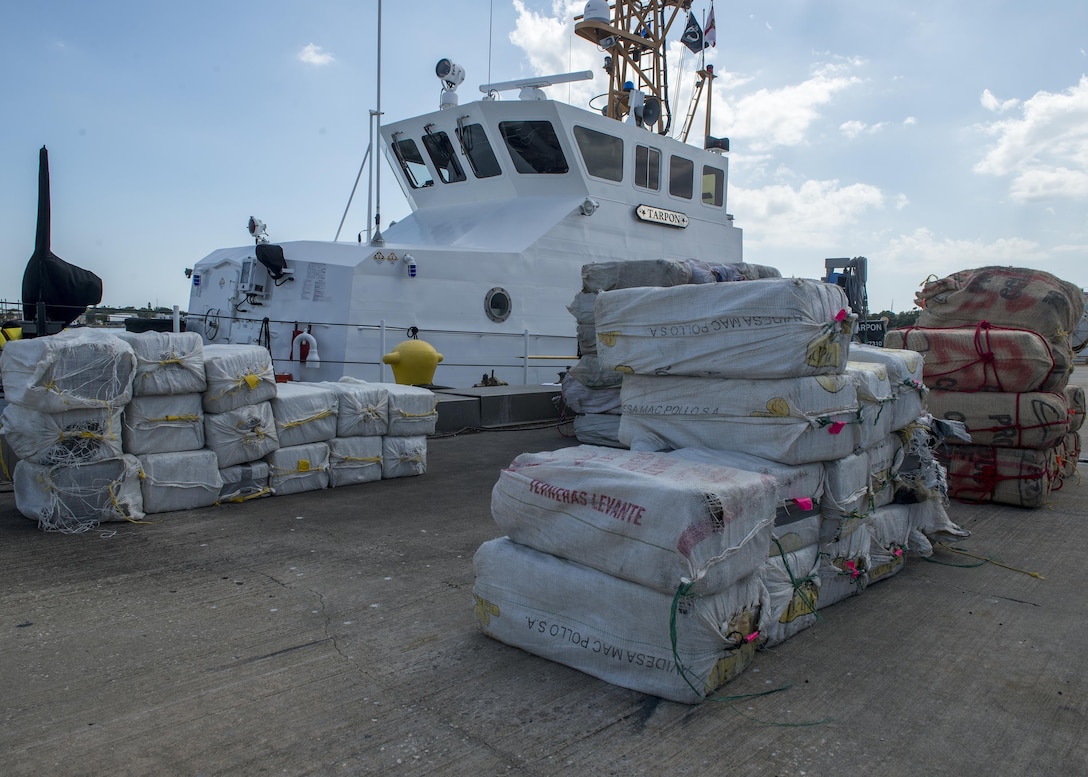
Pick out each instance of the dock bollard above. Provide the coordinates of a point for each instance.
(414, 362)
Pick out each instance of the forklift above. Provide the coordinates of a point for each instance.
(851, 275)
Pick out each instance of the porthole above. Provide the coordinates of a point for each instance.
(497, 304)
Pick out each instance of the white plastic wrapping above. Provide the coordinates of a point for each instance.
(891, 529)
(69, 438)
(796, 485)
(885, 462)
(179, 480)
(304, 412)
(589, 371)
(598, 429)
(1074, 398)
(412, 410)
(404, 457)
(791, 420)
(354, 460)
(626, 274)
(363, 409)
(613, 629)
(167, 362)
(847, 497)
(654, 519)
(876, 415)
(905, 370)
(73, 499)
(299, 468)
(75, 369)
(773, 328)
(580, 398)
(844, 567)
(244, 434)
(158, 423)
(792, 581)
(237, 375)
(242, 482)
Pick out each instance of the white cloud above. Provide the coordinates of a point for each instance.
(314, 55)
(946, 255)
(813, 214)
(1045, 151)
(853, 129)
(991, 103)
(910, 121)
(782, 117)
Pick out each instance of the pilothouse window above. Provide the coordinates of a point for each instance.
(411, 162)
(603, 154)
(440, 150)
(713, 186)
(478, 151)
(647, 167)
(533, 147)
(681, 173)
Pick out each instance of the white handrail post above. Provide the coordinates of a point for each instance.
(381, 353)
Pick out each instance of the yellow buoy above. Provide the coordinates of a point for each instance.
(10, 333)
(413, 362)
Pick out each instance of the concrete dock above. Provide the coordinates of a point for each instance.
(333, 633)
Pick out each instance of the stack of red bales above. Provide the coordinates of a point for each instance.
(997, 353)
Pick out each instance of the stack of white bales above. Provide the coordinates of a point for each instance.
(762, 368)
(588, 390)
(641, 569)
(238, 422)
(305, 415)
(997, 352)
(381, 431)
(163, 424)
(67, 393)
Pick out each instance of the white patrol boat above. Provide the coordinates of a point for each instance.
(509, 199)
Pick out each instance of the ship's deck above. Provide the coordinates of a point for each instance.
(333, 633)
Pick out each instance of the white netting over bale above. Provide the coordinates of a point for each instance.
(163, 422)
(237, 375)
(69, 438)
(167, 362)
(613, 629)
(654, 519)
(363, 409)
(77, 368)
(404, 457)
(354, 460)
(179, 480)
(304, 412)
(299, 468)
(791, 420)
(774, 328)
(78, 498)
(245, 434)
(242, 482)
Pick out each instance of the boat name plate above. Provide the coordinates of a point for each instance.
(669, 218)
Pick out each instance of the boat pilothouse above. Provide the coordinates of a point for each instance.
(509, 198)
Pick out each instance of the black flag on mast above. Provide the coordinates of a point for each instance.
(693, 35)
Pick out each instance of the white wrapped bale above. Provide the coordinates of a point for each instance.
(299, 468)
(1074, 398)
(413, 411)
(885, 461)
(792, 581)
(354, 460)
(847, 497)
(582, 310)
(78, 498)
(792, 420)
(654, 519)
(892, 535)
(403, 457)
(905, 370)
(580, 398)
(68, 438)
(75, 369)
(304, 412)
(167, 363)
(158, 423)
(237, 375)
(774, 328)
(844, 567)
(363, 408)
(875, 417)
(598, 429)
(179, 480)
(589, 372)
(613, 629)
(244, 434)
(242, 482)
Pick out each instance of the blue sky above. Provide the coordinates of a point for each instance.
(928, 136)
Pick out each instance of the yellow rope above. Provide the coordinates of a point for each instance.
(1036, 575)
